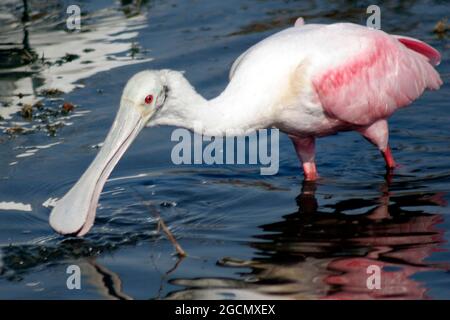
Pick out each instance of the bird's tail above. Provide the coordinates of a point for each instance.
(434, 57)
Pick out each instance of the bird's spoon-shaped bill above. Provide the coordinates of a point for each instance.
(75, 212)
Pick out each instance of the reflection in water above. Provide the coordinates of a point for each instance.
(39, 54)
(318, 253)
(106, 281)
(18, 261)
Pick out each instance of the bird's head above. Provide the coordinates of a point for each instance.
(145, 93)
(145, 96)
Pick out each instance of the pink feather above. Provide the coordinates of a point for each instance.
(385, 74)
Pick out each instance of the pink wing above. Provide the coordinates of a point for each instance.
(370, 84)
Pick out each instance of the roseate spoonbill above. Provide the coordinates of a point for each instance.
(308, 80)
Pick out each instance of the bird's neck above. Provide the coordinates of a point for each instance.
(227, 114)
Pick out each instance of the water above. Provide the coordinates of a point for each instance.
(247, 236)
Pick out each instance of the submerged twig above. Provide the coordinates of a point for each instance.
(170, 236)
(163, 226)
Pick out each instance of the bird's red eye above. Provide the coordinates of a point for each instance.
(149, 99)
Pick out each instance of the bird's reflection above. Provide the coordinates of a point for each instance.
(323, 252)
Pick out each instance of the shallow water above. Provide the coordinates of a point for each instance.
(247, 236)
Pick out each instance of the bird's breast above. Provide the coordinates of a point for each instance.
(303, 122)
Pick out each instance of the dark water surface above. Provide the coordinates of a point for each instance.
(247, 236)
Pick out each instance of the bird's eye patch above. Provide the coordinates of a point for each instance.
(149, 99)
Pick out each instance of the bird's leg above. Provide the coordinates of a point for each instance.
(388, 158)
(305, 148)
(378, 134)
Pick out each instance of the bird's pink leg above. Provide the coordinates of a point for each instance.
(305, 148)
(378, 134)
(387, 154)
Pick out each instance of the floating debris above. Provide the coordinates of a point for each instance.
(14, 130)
(52, 128)
(51, 92)
(441, 27)
(27, 111)
(67, 107)
(48, 117)
(69, 57)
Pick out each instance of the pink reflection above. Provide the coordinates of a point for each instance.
(419, 238)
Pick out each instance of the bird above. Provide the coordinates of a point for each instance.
(308, 80)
